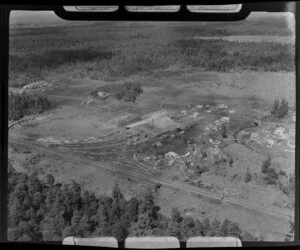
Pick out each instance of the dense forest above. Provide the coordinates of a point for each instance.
(44, 210)
(27, 104)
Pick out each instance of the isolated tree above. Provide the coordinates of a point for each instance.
(280, 110)
(175, 215)
(248, 177)
(266, 165)
(50, 179)
(201, 169)
(283, 109)
(275, 107)
(224, 130)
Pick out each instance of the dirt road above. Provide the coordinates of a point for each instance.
(126, 171)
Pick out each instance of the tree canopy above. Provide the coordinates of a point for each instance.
(27, 104)
(42, 210)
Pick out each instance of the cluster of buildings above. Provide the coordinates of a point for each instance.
(155, 123)
(160, 123)
(279, 136)
(213, 108)
(218, 107)
(218, 123)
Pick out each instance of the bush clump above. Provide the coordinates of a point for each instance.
(266, 165)
(280, 109)
(248, 177)
(128, 91)
(27, 104)
(201, 169)
(224, 130)
(271, 174)
(271, 177)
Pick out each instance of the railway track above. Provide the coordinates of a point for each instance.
(109, 153)
(117, 167)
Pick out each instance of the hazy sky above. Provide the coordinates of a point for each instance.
(48, 18)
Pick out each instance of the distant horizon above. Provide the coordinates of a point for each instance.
(48, 18)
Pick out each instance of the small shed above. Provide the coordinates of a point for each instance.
(254, 136)
(225, 119)
(103, 95)
(291, 143)
(256, 122)
(279, 131)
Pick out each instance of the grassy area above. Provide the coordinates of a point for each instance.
(112, 50)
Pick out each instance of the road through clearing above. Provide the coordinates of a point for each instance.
(136, 174)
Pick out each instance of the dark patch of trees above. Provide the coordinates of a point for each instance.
(289, 188)
(199, 170)
(290, 235)
(266, 165)
(27, 104)
(41, 210)
(280, 109)
(224, 130)
(128, 91)
(248, 177)
(271, 176)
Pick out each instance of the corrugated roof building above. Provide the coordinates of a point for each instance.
(156, 124)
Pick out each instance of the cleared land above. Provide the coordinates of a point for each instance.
(172, 133)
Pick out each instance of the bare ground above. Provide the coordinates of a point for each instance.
(245, 92)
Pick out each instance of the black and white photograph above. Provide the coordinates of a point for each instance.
(142, 128)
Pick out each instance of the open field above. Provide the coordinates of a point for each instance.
(183, 130)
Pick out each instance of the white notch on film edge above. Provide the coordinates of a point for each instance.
(229, 8)
(91, 8)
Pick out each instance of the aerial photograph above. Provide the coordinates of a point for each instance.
(151, 128)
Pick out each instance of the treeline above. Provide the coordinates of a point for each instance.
(41, 210)
(273, 177)
(127, 91)
(27, 104)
